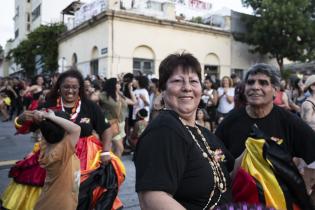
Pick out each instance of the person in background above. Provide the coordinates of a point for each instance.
(281, 98)
(35, 91)
(127, 81)
(155, 98)
(236, 79)
(91, 92)
(202, 119)
(17, 105)
(210, 99)
(114, 105)
(308, 106)
(298, 96)
(57, 156)
(139, 127)
(141, 85)
(239, 97)
(7, 97)
(179, 164)
(225, 98)
(54, 79)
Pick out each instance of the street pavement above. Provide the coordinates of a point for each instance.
(15, 147)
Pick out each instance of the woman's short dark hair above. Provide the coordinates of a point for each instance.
(110, 88)
(143, 81)
(34, 80)
(72, 72)
(168, 66)
(128, 77)
(205, 114)
(266, 69)
(52, 132)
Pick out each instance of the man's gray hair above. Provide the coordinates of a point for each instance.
(266, 69)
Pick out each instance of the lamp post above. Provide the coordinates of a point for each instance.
(62, 63)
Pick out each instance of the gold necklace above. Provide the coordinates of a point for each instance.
(210, 155)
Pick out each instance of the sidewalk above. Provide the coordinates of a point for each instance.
(15, 147)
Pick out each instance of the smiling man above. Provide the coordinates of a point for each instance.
(296, 136)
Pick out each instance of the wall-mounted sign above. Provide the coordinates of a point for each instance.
(104, 51)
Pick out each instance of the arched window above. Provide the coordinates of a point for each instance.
(143, 61)
(94, 61)
(212, 65)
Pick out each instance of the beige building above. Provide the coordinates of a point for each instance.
(119, 41)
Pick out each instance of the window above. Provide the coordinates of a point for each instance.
(211, 70)
(28, 1)
(238, 72)
(16, 34)
(28, 27)
(143, 66)
(154, 6)
(17, 11)
(36, 13)
(28, 17)
(94, 67)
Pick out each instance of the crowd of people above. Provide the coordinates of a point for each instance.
(198, 143)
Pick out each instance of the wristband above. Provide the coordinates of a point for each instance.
(17, 125)
(105, 154)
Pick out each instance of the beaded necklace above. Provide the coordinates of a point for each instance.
(211, 156)
(74, 111)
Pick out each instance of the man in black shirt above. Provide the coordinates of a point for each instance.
(297, 137)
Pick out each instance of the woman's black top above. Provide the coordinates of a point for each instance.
(167, 159)
(89, 118)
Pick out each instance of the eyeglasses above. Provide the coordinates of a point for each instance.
(261, 82)
(68, 87)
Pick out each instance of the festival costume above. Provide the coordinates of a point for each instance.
(268, 175)
(23, 191)
(169, 159)
(89, 117)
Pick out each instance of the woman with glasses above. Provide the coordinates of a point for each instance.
(68, 95)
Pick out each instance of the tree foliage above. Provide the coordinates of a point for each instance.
(281, 28)
(1, 49)
(43, 42)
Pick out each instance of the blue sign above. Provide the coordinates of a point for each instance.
(104, 51)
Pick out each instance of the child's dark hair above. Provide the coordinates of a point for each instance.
(52, 132)
(142, 113)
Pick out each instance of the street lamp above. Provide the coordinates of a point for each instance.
(62, 63)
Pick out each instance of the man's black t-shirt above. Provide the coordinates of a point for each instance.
(167, 159)
(298, 138)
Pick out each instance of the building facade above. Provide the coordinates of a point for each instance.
(118, 41)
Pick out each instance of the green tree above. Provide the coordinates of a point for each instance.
(281, 28)
(43, 42)
(1, 49)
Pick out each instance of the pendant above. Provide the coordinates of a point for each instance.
(205, 155)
